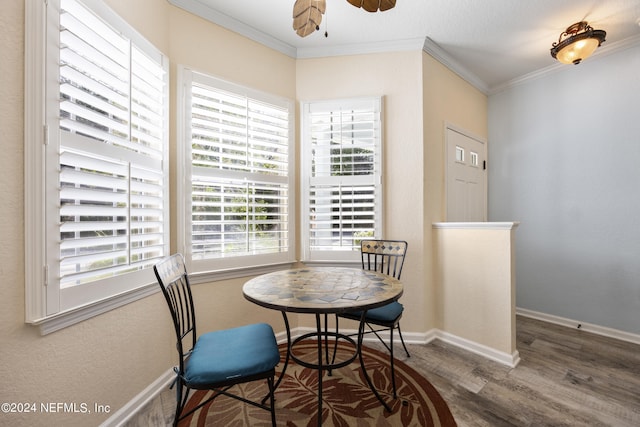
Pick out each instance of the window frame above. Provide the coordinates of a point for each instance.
(205, 270)
(338, 256)
(43, 305)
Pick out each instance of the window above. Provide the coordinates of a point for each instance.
(341, 177)
(103, 202)
(474, 158)
(237, 193)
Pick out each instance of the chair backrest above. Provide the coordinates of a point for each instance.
(383, 256)
(174, 282)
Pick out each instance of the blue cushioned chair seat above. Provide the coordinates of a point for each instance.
(386, 313)
(219, 356)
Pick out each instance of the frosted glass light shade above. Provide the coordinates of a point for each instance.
(580, 42)
(577, 51)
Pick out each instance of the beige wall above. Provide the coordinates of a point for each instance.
(112, 357)
(447, 99)
(475, 267)
(201, 46)
(397, 76)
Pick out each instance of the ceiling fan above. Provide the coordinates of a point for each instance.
(307, 14)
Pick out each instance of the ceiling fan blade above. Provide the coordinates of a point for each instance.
(307, 23)
(373, 5)
(387, 4)
(307, 16)
(370, 5)
(301, 6)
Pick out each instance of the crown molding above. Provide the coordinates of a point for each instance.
(445, 59)
(231, 24)
(426, 44)
(225, 21)
(361, 48)
(600, 53)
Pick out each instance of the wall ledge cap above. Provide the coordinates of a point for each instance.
(477, 225)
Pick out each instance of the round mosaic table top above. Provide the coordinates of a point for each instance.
(322, 290)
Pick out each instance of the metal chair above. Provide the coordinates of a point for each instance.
(387, 257)
(216, 360)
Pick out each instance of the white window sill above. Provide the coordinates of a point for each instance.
(351, 263)
(62, 320)
(214, 276)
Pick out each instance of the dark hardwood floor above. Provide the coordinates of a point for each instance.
(566, 377)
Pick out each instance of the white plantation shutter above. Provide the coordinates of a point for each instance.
(341, 176)
(238, 181)
(96, 162)
(113, 192)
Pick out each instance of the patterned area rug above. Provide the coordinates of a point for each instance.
(347, 399)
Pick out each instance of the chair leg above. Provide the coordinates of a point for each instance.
(272, 399)
(180, 401)
(176, 417)
(393, 370)
(335, 344)
(402, 341)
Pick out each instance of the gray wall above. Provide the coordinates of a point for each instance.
(564, 159)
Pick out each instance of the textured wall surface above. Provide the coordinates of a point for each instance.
(109, 359)
(396, 76)
(447, 99)
(477, 287)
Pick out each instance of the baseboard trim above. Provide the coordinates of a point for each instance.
(576, 324)
(409, 337)
(510, 360)
(132, 407)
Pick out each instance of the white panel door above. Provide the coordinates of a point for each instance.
(466, 178)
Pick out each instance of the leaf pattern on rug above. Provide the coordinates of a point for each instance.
(347, 399)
